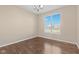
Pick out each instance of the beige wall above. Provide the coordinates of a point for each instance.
(68, 21)
(78, 26)
(15, 24)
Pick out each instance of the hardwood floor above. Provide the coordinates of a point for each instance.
(40, 45)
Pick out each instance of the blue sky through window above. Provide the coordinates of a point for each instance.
(56, 19)
(52, 23)
(47, 21)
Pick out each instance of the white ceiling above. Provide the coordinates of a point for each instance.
(45, 9)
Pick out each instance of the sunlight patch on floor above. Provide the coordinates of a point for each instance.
(51, 49)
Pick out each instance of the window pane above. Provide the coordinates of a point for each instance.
(56, 23)
(47, 22)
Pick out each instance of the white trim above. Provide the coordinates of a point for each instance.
(77, 43)
(39, 35)
(55, 39)
(27, 38)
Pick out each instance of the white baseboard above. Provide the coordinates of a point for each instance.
(77, 44)
(55, 39)
(33, 36)
(27, 38)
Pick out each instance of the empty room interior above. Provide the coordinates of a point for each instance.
(39, 29)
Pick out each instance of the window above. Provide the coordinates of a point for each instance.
(52, 23)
